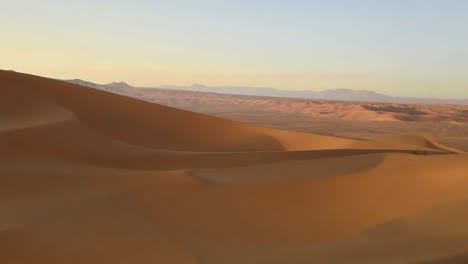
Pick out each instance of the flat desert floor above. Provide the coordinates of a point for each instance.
(89, 176)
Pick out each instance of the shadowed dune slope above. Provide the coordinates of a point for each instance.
(88, 176)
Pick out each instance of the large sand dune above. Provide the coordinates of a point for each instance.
(356, 120)
(93, 177)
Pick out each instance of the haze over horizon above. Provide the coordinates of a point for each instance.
(227, 132)
(399, 48)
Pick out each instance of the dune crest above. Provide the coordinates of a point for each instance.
(94, 177)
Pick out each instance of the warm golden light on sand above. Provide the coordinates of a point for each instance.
(89, 176)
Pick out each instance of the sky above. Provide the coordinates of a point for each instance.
(399, 47)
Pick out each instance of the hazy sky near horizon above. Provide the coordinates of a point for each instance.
(398, 47)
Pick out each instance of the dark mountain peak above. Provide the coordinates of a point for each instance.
(83, 83)
(119, 84)
(339, 90)
(77, 81)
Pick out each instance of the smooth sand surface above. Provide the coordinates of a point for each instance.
(88, 176)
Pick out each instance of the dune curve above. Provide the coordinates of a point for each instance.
(93, 177)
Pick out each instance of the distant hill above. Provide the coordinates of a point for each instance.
(331, 94)
(85, 83)
(341, 94)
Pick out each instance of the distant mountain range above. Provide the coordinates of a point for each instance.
(331, 94)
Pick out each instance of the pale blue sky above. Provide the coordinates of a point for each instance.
(407, 48)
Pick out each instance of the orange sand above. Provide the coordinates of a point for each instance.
(93, 177)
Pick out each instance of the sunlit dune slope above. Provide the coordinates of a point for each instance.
(59, 117)
(123, 119)
(92, 177)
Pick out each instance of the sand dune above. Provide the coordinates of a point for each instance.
(93, 177)
(356, 120)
